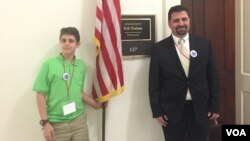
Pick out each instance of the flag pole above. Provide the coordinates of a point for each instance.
(103, 120)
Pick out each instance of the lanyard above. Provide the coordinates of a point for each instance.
(67, 77)
(187, 57)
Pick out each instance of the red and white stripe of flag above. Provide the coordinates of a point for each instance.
(109, 73)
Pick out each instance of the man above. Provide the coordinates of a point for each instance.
(183, 85)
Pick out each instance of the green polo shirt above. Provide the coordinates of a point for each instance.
(50, 81)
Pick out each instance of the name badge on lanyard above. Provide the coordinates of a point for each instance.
(69, 108)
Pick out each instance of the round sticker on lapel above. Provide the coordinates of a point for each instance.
(193, 53)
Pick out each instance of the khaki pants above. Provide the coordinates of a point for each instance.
(75, 130)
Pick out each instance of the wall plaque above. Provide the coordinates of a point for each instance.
(138, 34)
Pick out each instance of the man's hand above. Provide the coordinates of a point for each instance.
(162, 120)
(212, 116)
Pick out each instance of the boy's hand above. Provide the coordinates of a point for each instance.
(91, 101)
(105, 104)
(48, 132)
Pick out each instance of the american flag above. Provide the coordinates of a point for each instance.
(109, 73)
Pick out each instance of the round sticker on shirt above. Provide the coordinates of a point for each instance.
(65, 76)
(193, 53)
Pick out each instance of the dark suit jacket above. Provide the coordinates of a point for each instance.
(168, 83)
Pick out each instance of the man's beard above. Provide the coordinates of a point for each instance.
(181, 30)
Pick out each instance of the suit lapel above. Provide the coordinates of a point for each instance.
(173, 52)
(193, 48)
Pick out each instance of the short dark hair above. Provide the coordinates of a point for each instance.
(71, 31)
(177, 8)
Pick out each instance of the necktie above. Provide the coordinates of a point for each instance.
(184, 56)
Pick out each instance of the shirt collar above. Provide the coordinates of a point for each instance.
(176, 39)
(61, 59)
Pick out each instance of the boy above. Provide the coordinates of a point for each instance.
(59, 87)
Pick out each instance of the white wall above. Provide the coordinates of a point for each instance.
(29, 32)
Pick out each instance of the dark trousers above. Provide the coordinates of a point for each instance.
(187, 126)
